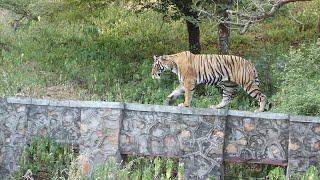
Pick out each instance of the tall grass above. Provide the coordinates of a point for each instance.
(135, 168)
(43, 158)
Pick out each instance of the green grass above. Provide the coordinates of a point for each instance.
(43, 158)
(135, 168)
(106, 54)
(252, 171)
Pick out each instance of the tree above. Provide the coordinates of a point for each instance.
(318, 30)
(246, 13)
(185, 6)
(175, 10)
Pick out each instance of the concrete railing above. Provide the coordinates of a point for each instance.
(202, 138)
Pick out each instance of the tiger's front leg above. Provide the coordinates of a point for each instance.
(174, 95)
(189, 87)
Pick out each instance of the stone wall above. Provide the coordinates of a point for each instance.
(202, 138)
(257, 137)
(304, 143)
(196, 136)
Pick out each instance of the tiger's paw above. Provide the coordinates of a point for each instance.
(215, 107)
(259, 110)
(166, 103)
(182, 105)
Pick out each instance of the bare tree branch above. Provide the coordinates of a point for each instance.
(246, 17)
(275, 8)
(251, 19)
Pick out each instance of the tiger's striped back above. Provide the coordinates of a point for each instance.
(212, 69)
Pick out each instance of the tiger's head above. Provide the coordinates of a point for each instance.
(160, 64)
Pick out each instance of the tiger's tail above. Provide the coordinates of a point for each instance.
(255, 76)
(257, 81)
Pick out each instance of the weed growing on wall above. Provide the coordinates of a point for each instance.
(311, 174)
(277, 173)
(43, 158)
(247, 171)
(133, 167)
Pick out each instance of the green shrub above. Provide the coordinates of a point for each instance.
(311, 174)
(248, 171)
(136, 168)
(43, 158)
(300, 86)
(277, 174)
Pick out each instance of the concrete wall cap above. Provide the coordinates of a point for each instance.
(173, 109)
(97, 104)
(18, 100)
(265, 115)
(159, 108)
(307, 119)
(65, 103)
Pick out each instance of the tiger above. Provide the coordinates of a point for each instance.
(224, 71)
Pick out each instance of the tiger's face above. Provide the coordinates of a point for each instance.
(158, 67)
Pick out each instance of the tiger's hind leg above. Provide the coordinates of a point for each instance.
(227, 92)
(174, 95)
(253, 90)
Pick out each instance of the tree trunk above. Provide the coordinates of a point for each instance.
(193, 28)
(318, 27)
(318, 30)
(224, 33)
(194, 37)
(224, 28)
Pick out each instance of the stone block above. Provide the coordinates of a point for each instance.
(100, 130)
(256, 139)
(304, 144)
(64, 124)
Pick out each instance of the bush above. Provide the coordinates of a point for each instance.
(248, 171)
(134, 168)
(43, 158)
(300, 87)
(311, 174)
(277, 174)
